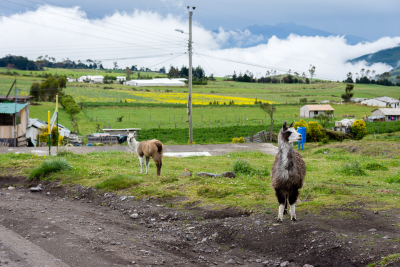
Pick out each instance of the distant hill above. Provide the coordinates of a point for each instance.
(283, 30)
(261, 33)
(389, 56)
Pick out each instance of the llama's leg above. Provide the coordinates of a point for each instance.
(147, 164)
(141, 160)
(158, 162)
(286, 201)
(292, 200)
(281, 195)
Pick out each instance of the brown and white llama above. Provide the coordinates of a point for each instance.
(152, 148)
(288, 171)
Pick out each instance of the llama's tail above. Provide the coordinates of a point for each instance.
(159, 146)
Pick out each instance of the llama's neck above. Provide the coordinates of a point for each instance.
(285, 157)
(134, 145)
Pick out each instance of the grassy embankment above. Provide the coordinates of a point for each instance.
(335, 176)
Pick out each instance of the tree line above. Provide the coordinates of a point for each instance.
(370, 77)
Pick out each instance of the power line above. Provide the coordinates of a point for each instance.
(119, 25)
(85, 34)
(87, 23)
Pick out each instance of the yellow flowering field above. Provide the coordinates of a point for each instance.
(99, 95)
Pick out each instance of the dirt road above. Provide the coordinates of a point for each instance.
(82, 227)
(214, 150)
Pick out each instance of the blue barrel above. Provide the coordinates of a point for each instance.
(303, 132)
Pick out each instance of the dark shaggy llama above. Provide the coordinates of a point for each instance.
(288, 171)
(152, 148)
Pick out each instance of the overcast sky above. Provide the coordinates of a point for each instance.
(364, 18)
(143, 33)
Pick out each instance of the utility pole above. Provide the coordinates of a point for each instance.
(190, 78)
(15, 116)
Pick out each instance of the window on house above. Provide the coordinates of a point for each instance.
(6, 119)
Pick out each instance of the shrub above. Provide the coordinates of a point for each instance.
(300, 123)
(393, 179)
(242, 166)
(49, 166)
(238, 140)
(359, 129)
(376, 166)
(44, 135)
(353, 168)
(307, 81)
(118, 182)
(314, 131)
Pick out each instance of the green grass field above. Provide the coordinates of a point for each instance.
(169, 118)
(282, 93)
(76, 73)
(335, 176)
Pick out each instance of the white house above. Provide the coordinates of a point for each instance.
(309, 111)
(391, 114)
(35, 124)
(383, 101)
(92, 79)
(121, 78)
(155, 82)
(71, 80)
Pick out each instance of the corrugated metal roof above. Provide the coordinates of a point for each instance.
(389, 111)
(9, 108)
(319, 107)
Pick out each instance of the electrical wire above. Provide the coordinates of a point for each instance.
(119, 25)
(80, 26)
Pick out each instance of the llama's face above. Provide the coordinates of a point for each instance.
(290, 135)
(131, 138)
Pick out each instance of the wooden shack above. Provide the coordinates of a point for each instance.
(11, 112)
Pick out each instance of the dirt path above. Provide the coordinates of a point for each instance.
(83, 227)
(214, 150)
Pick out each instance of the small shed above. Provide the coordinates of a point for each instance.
(9, 112)
(35, 124)
(391, 114)
(309, 111)
(92, 79)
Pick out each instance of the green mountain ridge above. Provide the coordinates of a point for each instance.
(389, 56)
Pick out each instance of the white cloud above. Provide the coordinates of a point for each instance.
(147, 38)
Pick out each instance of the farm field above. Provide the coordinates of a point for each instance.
(76, 73)
(169, 118)
(281, 93)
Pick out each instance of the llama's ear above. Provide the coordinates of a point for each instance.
(284, 126)
(291, 125)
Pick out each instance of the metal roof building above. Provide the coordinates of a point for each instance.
(384, 101)
(155, 82)
(391, 114)
(309, 111)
